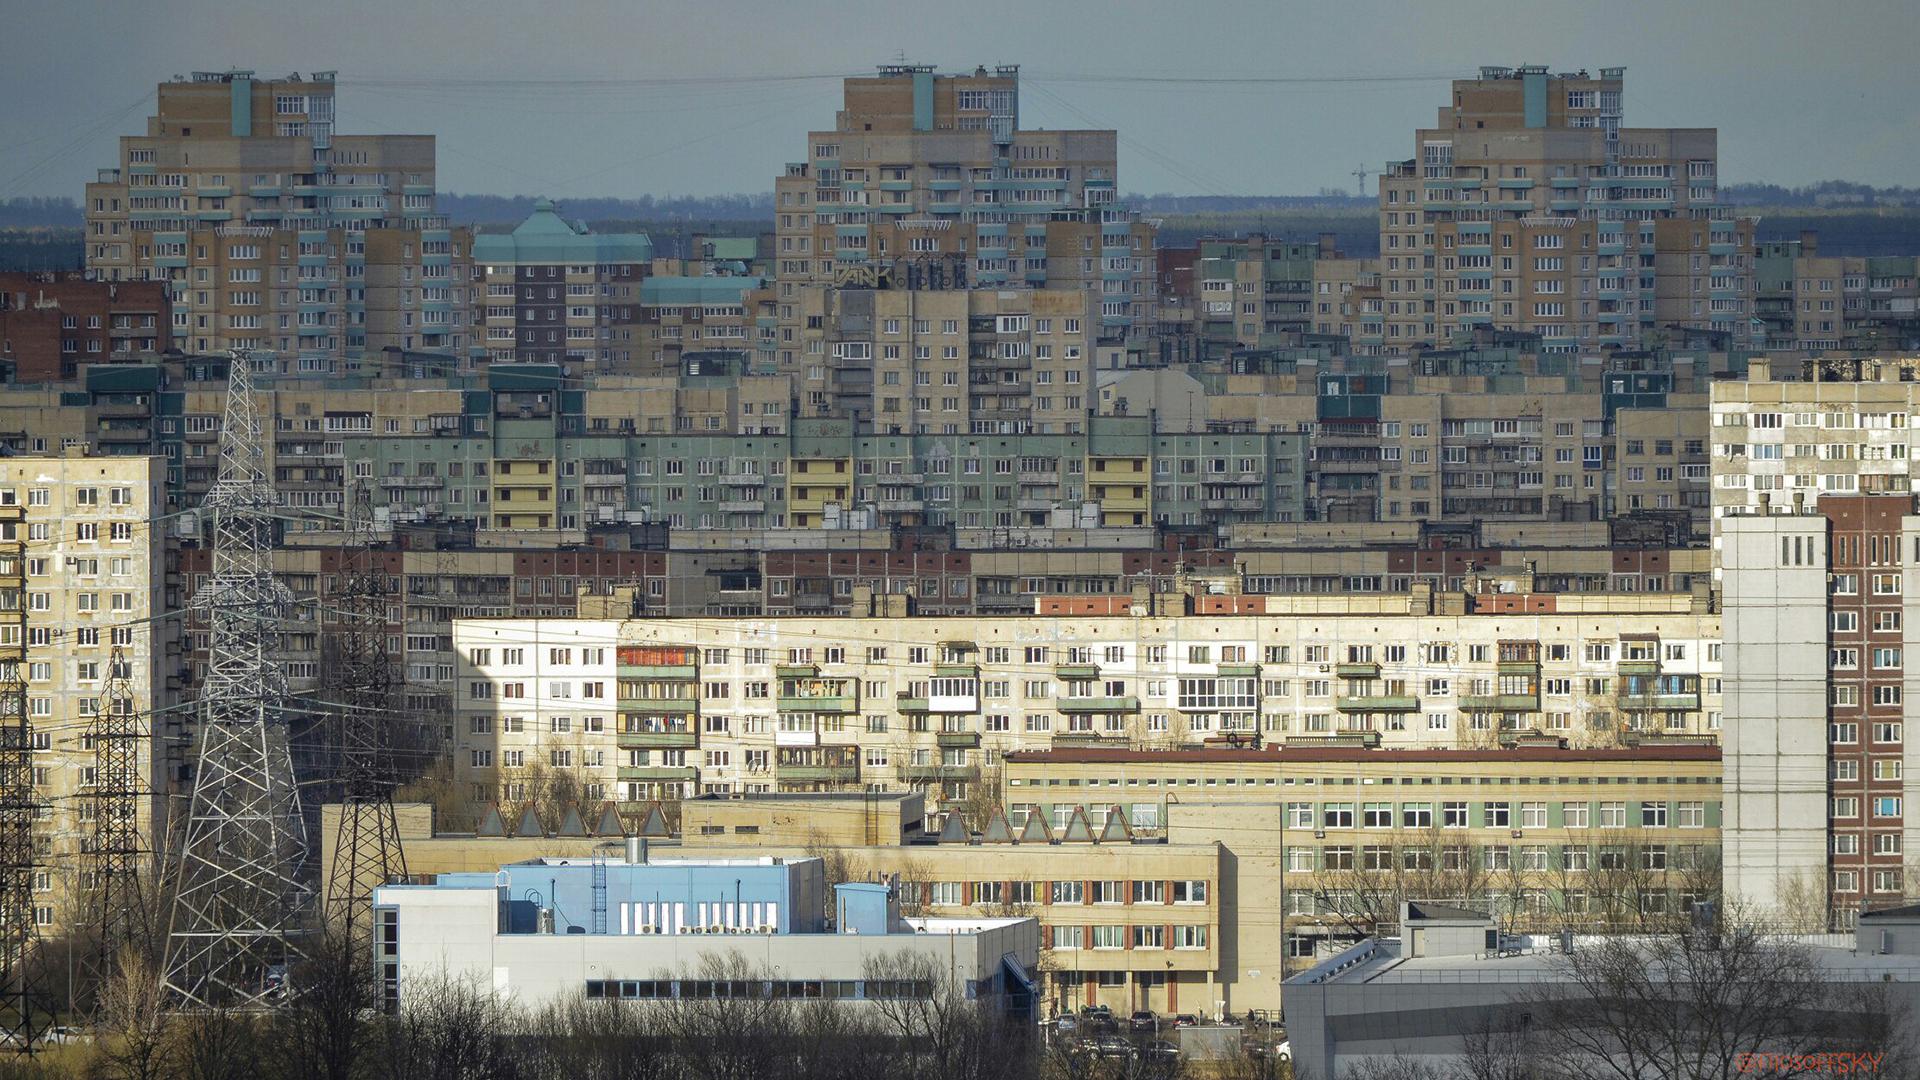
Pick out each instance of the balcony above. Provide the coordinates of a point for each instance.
(818, 774)
(742, 506)
(820, 704)
(1077, 671)
(1639, 667)
(1238, 669)
(1501, 703)
(1357, 671)
(1394, 703)
(1519, 667)
(1676, 701)
(659, 671)
(967, 773)
(656, 740)
(957, 740)
(669, 773)
(1099, 704)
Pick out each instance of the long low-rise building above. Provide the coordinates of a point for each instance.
(557, 929)
(1194, 881)
(639, 709)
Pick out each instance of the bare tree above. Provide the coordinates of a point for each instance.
(1686, 1005)
(723, 1026)
(983, 798)
(445, 1029)
(924, 1006)
(597, 1040)
(218, 1045)
(134, 1040)
(324, 1030)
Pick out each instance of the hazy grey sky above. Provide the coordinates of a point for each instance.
(1800, 91)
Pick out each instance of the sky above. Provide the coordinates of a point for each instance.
(646, 97)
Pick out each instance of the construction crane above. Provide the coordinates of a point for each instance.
(237, 918)
(366, 849)
(1360, 179)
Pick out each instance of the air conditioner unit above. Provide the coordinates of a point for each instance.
(1326, 667)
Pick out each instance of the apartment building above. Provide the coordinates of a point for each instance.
(1815, 302)
(274, 232)
(94, 593)
(929, 181)
(51, 323)
(559, 293)
(713, 325)
(640, 709)
(1258, 292)
(1330, 839)
(1813, 505)
(1529, 205)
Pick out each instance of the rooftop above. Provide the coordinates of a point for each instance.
(546, 237)
(1306, 754)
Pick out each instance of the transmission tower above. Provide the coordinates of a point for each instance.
(18, 862)
(237, 907)
(366, 849)
(116, 863)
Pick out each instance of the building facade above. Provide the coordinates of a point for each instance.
(50, 324)
(95, 591)
(658, 930)
(637, 709)
(274, 232)
(1529, 205)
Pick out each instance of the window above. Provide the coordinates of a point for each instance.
(1653, 815)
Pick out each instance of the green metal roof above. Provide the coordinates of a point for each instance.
(697, 290)
(737, 248)
(546, 237)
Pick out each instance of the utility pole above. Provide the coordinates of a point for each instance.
(116, 865)
(366, 849)
(237, 908)
(20, 1023)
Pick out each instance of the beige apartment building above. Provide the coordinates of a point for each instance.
(638, 709)
(95, 588)
(277, 233)
(1529, 206)
(927, 184)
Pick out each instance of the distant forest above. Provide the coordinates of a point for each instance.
(43, 233)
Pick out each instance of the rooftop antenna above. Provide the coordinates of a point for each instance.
(1360, 179)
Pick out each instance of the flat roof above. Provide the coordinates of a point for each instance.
(1309, 754)
(807, 796)
(1385, 965)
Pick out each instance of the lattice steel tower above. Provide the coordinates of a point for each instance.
(238, 906)
(116, 867)
(20, 1017)
(366, 850)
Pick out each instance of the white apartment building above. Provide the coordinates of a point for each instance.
(95, 582)
(642, 709)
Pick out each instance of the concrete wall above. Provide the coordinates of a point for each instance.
(1775, 695)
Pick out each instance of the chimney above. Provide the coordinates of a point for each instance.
(1327, 248)
(1809, 242)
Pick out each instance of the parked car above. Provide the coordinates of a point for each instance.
(1143, 1020)
(1185, 1020)
(1062, 1025)
(1277, 1051)
(61, 1036)
(1160, 1048)
(1097, 1010)
(1111, 1047)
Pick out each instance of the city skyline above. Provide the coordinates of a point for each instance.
(597, 108)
